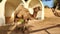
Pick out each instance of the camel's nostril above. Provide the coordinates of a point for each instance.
(26, 0)
(0, 0)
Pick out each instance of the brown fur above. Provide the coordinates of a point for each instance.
(22, 12)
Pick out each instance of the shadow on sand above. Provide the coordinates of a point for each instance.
(45, 29)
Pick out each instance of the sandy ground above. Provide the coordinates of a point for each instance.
(50, 25)
(47, 26)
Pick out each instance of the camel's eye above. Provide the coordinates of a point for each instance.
(26, 0)
(0, 0)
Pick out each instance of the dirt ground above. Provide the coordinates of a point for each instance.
(50, 25)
